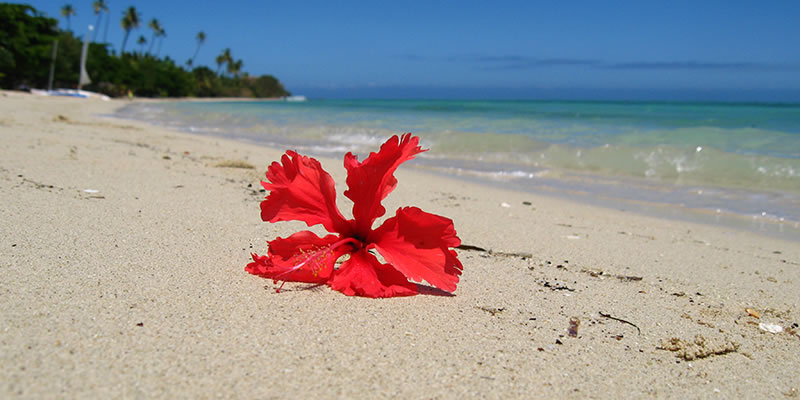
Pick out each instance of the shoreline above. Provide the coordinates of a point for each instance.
(763, 225)
(199, 99)
(706, 203)
(123, 251)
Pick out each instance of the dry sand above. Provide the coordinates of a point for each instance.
(122, 255)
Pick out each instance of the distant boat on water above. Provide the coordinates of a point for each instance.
(294, 98)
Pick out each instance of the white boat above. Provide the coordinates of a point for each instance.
(70, 93)
(83, 80)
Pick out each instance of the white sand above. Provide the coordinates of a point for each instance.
(138, 290)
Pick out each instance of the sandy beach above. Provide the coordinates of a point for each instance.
(123, 251)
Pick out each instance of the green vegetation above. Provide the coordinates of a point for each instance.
(27, 39)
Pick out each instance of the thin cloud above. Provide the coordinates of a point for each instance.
(540, 63)
(700, 66)
(513, 61)
(687, 65)
(520, 62)
(501, 59)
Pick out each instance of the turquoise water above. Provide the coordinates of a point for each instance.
(699, 160)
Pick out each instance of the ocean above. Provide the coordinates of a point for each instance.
(733, 164)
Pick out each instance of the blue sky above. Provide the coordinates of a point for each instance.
(716, 49)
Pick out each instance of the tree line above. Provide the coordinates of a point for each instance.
(29, 38)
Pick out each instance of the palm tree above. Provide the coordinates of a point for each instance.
(224, 57)
(161, 35)
(99, 7)
(105, 31)
(141, 42)
(220, 60)
(201, 38)
(130, 21)
(234, 68)
(156, 27)
(66, 12)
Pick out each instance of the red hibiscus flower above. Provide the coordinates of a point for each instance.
(414, 244)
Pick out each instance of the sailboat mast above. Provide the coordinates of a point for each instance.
(52, 65)
(84, 76)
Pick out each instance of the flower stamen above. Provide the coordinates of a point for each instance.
(317, 259)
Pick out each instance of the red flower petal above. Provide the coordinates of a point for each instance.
(371, 181)
(364, 275)
(300, 190)
(302, 257)
(417, 244)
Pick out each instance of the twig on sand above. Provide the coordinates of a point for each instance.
(469, 247)
(609, 316)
